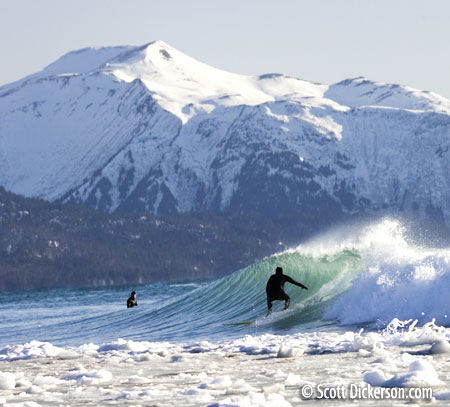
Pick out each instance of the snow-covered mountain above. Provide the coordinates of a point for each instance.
(149, 128)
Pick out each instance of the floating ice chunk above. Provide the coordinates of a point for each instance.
(33, 349)
(274, 388)
(22, 382)
(423, 373)
(90, 378)
(420, 373)
(200, 396)
(88, 349)
(145, 357)
(190, 376)
(293, 380)
(122, 344)
(33, 389)
(240, 386)
(380, 351)
(46, 381)
(253, 400)
(68, 354)
(152, 394)
(192, 392)
(7, 381)
(138, 379)
(78, 366)
(375, 378)
(277, 373)
(441, 346)
(385, 363)
(364, 353)
(284, 352)
(38, 349)
(407, 358)
(221, 382)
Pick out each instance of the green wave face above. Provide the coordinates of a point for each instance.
(214, 310)
(241, 297)
(326, 277)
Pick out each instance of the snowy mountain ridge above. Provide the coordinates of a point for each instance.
(148, 128)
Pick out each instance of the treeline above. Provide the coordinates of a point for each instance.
(46, 244)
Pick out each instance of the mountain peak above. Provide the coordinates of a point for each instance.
(148, 128)
(185, 87)
(89, 59)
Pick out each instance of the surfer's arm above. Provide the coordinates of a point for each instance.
(292, 281)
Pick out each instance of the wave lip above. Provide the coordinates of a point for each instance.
(400, 280)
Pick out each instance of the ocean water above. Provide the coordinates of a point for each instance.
(357, 279)
(371, 292)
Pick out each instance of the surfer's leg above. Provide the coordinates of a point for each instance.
(287, 301)
(269, 306)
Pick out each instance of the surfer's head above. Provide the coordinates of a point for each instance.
(133, 294)
(279, 270)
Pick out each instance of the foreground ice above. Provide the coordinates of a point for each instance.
(267, 370)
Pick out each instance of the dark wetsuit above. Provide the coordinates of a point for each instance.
(275, 289)
(131, 302)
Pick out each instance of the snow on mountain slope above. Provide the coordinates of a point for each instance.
(56, 131)
(184, 86)
(148, 128)
(363, 92)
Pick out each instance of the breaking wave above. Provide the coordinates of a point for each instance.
(356, 276)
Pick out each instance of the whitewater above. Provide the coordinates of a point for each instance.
(376, 314)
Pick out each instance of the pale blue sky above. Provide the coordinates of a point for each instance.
(402, 41)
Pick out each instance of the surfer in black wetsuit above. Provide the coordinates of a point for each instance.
(131, 302)
(275, 289)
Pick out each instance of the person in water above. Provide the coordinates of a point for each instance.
(131, 302)
(275, 289)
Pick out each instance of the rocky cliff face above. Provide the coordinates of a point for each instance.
(150, 129)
